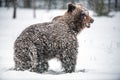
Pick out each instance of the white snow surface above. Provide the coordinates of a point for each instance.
(99, 47)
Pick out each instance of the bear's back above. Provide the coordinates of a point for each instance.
(50, 33)
(50, 29)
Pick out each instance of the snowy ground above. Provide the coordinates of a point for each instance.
(99, 47)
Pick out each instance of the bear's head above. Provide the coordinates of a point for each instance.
(77, 17)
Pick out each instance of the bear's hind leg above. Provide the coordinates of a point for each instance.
(37, 60)
(40, 67)
(20, 65)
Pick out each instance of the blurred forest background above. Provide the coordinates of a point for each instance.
(100, 7)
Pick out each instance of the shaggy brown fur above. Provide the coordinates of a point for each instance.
(57, 39)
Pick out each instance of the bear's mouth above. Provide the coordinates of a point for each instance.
(88, 24)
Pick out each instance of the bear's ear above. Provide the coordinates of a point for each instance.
(71, 7)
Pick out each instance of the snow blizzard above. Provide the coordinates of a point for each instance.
(99, 47)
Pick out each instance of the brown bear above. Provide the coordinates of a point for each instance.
(39, 43)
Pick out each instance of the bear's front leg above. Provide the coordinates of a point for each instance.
(68, 63)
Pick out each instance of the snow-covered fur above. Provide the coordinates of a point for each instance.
(56, 39)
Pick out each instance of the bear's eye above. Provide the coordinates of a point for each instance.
(83, 14)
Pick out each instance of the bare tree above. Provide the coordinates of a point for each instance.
(116, 4)
(0, 3)
(27, 3)
(14, 8)
(49, 4)
(34, 8)
(55, 4)
(6, 3)
(109, 3)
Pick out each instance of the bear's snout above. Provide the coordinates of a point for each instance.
(92, 20)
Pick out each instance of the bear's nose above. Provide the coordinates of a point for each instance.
(92, 20)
